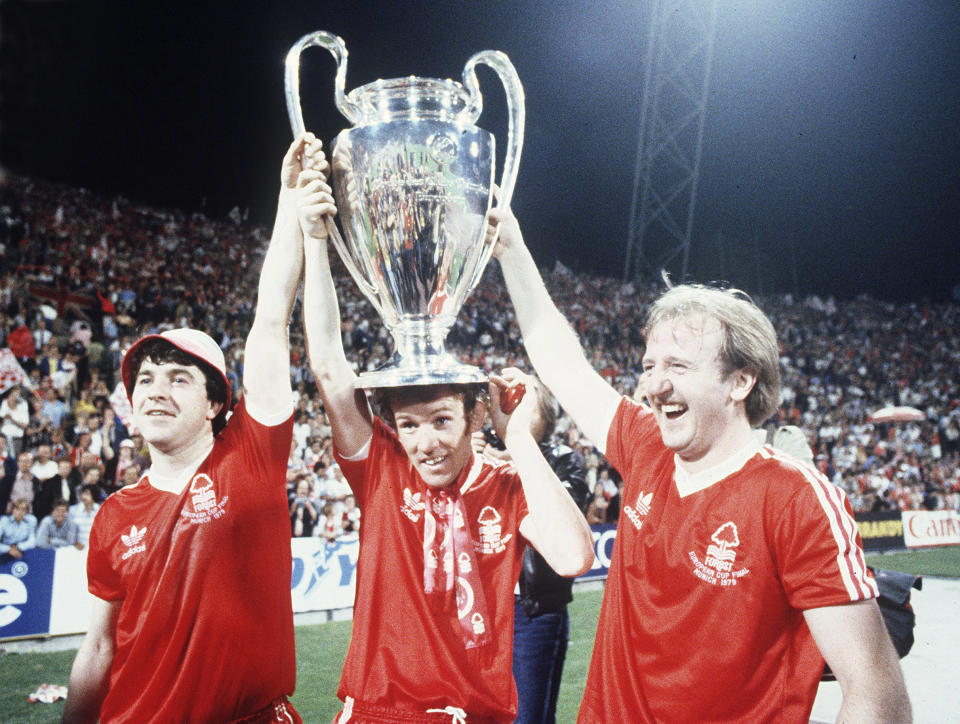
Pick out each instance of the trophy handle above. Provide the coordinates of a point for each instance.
(353, 266)
(349, 109)
(516, 109)
(338, 49)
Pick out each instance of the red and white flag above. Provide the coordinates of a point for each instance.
(11, 373)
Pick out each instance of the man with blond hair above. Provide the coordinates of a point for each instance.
(735, 566)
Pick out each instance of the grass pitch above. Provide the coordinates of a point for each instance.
(930, 562)
(321, 649)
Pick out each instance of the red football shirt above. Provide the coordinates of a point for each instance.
(405, 653)
(205, 630)
(702, 615)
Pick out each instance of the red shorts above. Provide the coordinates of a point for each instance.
(278, 711)
(355, 712)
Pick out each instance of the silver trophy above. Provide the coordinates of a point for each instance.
(413, 180)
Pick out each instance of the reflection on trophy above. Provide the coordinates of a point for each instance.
(413, 180)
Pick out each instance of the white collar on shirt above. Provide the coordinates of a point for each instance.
(690, 483)
(176, 484)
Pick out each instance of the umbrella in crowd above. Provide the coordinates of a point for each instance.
(897, 414)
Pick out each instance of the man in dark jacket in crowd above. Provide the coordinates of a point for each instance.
(541, 624)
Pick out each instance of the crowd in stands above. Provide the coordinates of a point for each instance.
(83, 276)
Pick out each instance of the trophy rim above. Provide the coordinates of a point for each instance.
(452, 100)
(404, 83)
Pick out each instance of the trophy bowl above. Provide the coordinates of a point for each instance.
(413, 178)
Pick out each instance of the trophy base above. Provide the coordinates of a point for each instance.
(436, 372)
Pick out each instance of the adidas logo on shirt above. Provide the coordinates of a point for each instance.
(133, 541)
(638, 513)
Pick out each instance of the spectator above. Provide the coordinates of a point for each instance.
(331, 523)
(15, 416)
(44, 467)
(314, 453)
(124, 460)
(541, 624)
(301, 432)
(81, 448)
(18, 531)
(597, 508)
(59, 447)
(83, 513)
(351, 515)
(62, 485)
(94, 423)
(57, 530)
(335, 485)
(303, 511)
(131, 474)
(23, 486)
(141, 453)
(296, 468)
(93, 478)
(39, 430)
(606, 481)
(8, 471)
(84, 404)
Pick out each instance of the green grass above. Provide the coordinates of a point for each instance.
(932, 562)
(21, 674)
(321, 649)
(584, 612)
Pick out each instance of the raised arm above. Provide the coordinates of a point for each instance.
(90, 674)
(346, 406)
(554, 526)
(552, 345)
(853, 640)
(266, 368)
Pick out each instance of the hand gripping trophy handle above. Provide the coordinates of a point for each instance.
(348, 108)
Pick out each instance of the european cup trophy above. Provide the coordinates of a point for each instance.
(413, 179)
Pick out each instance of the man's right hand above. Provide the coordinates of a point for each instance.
(315, 204)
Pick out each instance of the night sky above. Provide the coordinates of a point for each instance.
(831, 138)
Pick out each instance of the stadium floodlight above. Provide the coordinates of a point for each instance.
(677, 67)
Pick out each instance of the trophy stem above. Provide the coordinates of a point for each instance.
(421, 358)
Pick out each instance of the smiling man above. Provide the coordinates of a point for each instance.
(190, 566)
(735, 566)
(444, 530)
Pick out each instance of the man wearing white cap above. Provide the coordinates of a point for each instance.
(190, 567)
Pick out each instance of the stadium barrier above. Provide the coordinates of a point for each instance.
(925, 528)
(45, 593)
(880, 531)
